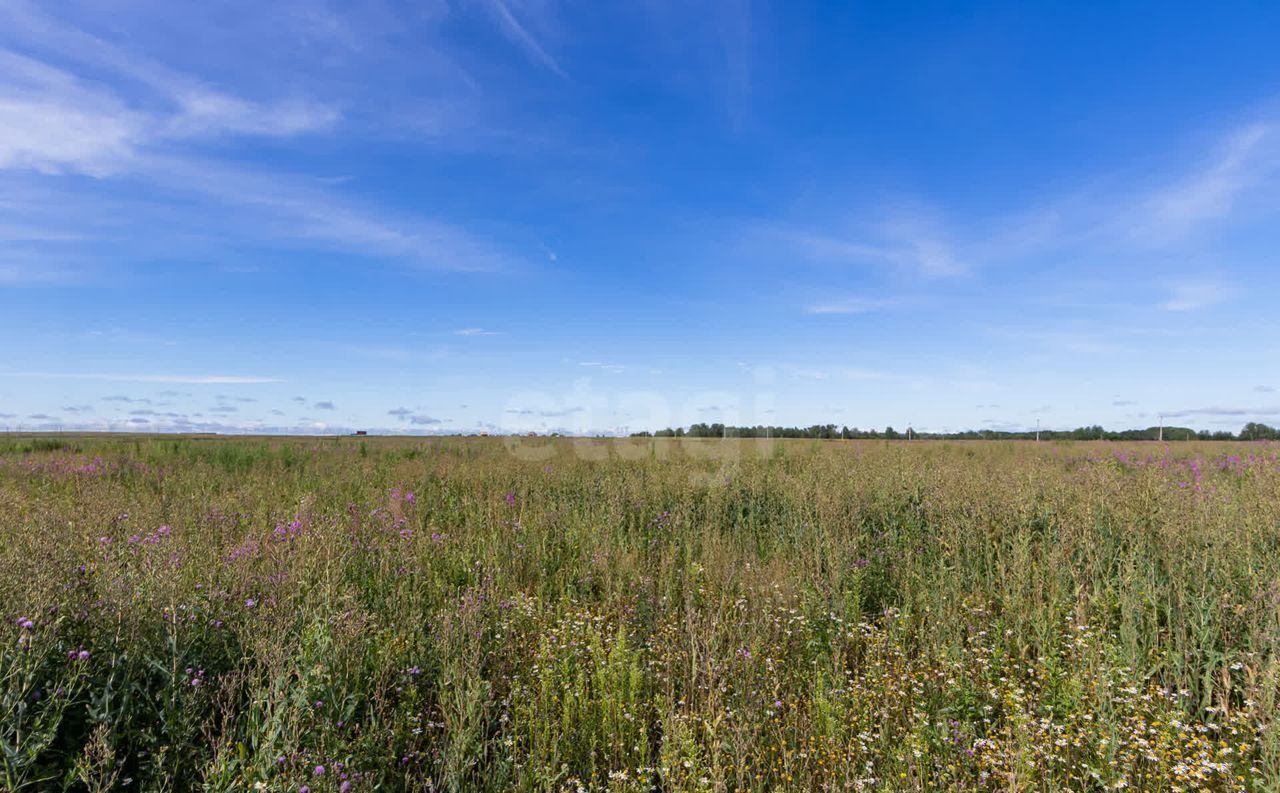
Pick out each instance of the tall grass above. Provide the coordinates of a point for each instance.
(676, 615)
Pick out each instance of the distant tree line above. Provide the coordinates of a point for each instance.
(1252, 431)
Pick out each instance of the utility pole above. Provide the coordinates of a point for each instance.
(1160, 436)
(1037, 430)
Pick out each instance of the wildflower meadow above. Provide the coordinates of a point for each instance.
(490, 614)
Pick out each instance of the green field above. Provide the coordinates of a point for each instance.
(633, 615)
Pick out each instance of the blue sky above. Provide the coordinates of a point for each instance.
(528, 215)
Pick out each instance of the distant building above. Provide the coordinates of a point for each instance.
(362, 432)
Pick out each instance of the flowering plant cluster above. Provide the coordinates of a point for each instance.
(443, 615)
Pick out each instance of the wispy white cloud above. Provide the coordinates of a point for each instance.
(908, 242)
(518, 33)
(415, 417)
(283, 210)
(475, 332)
(1108, 220)
(34, 273)
(1192, 295)
(847, 305)
(607, 367)
(316, 214)
(52, 122)
(823, 373)
(1245, 157)
(207, 113)
(811, 374)
(1220, 410)
(122, 115)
